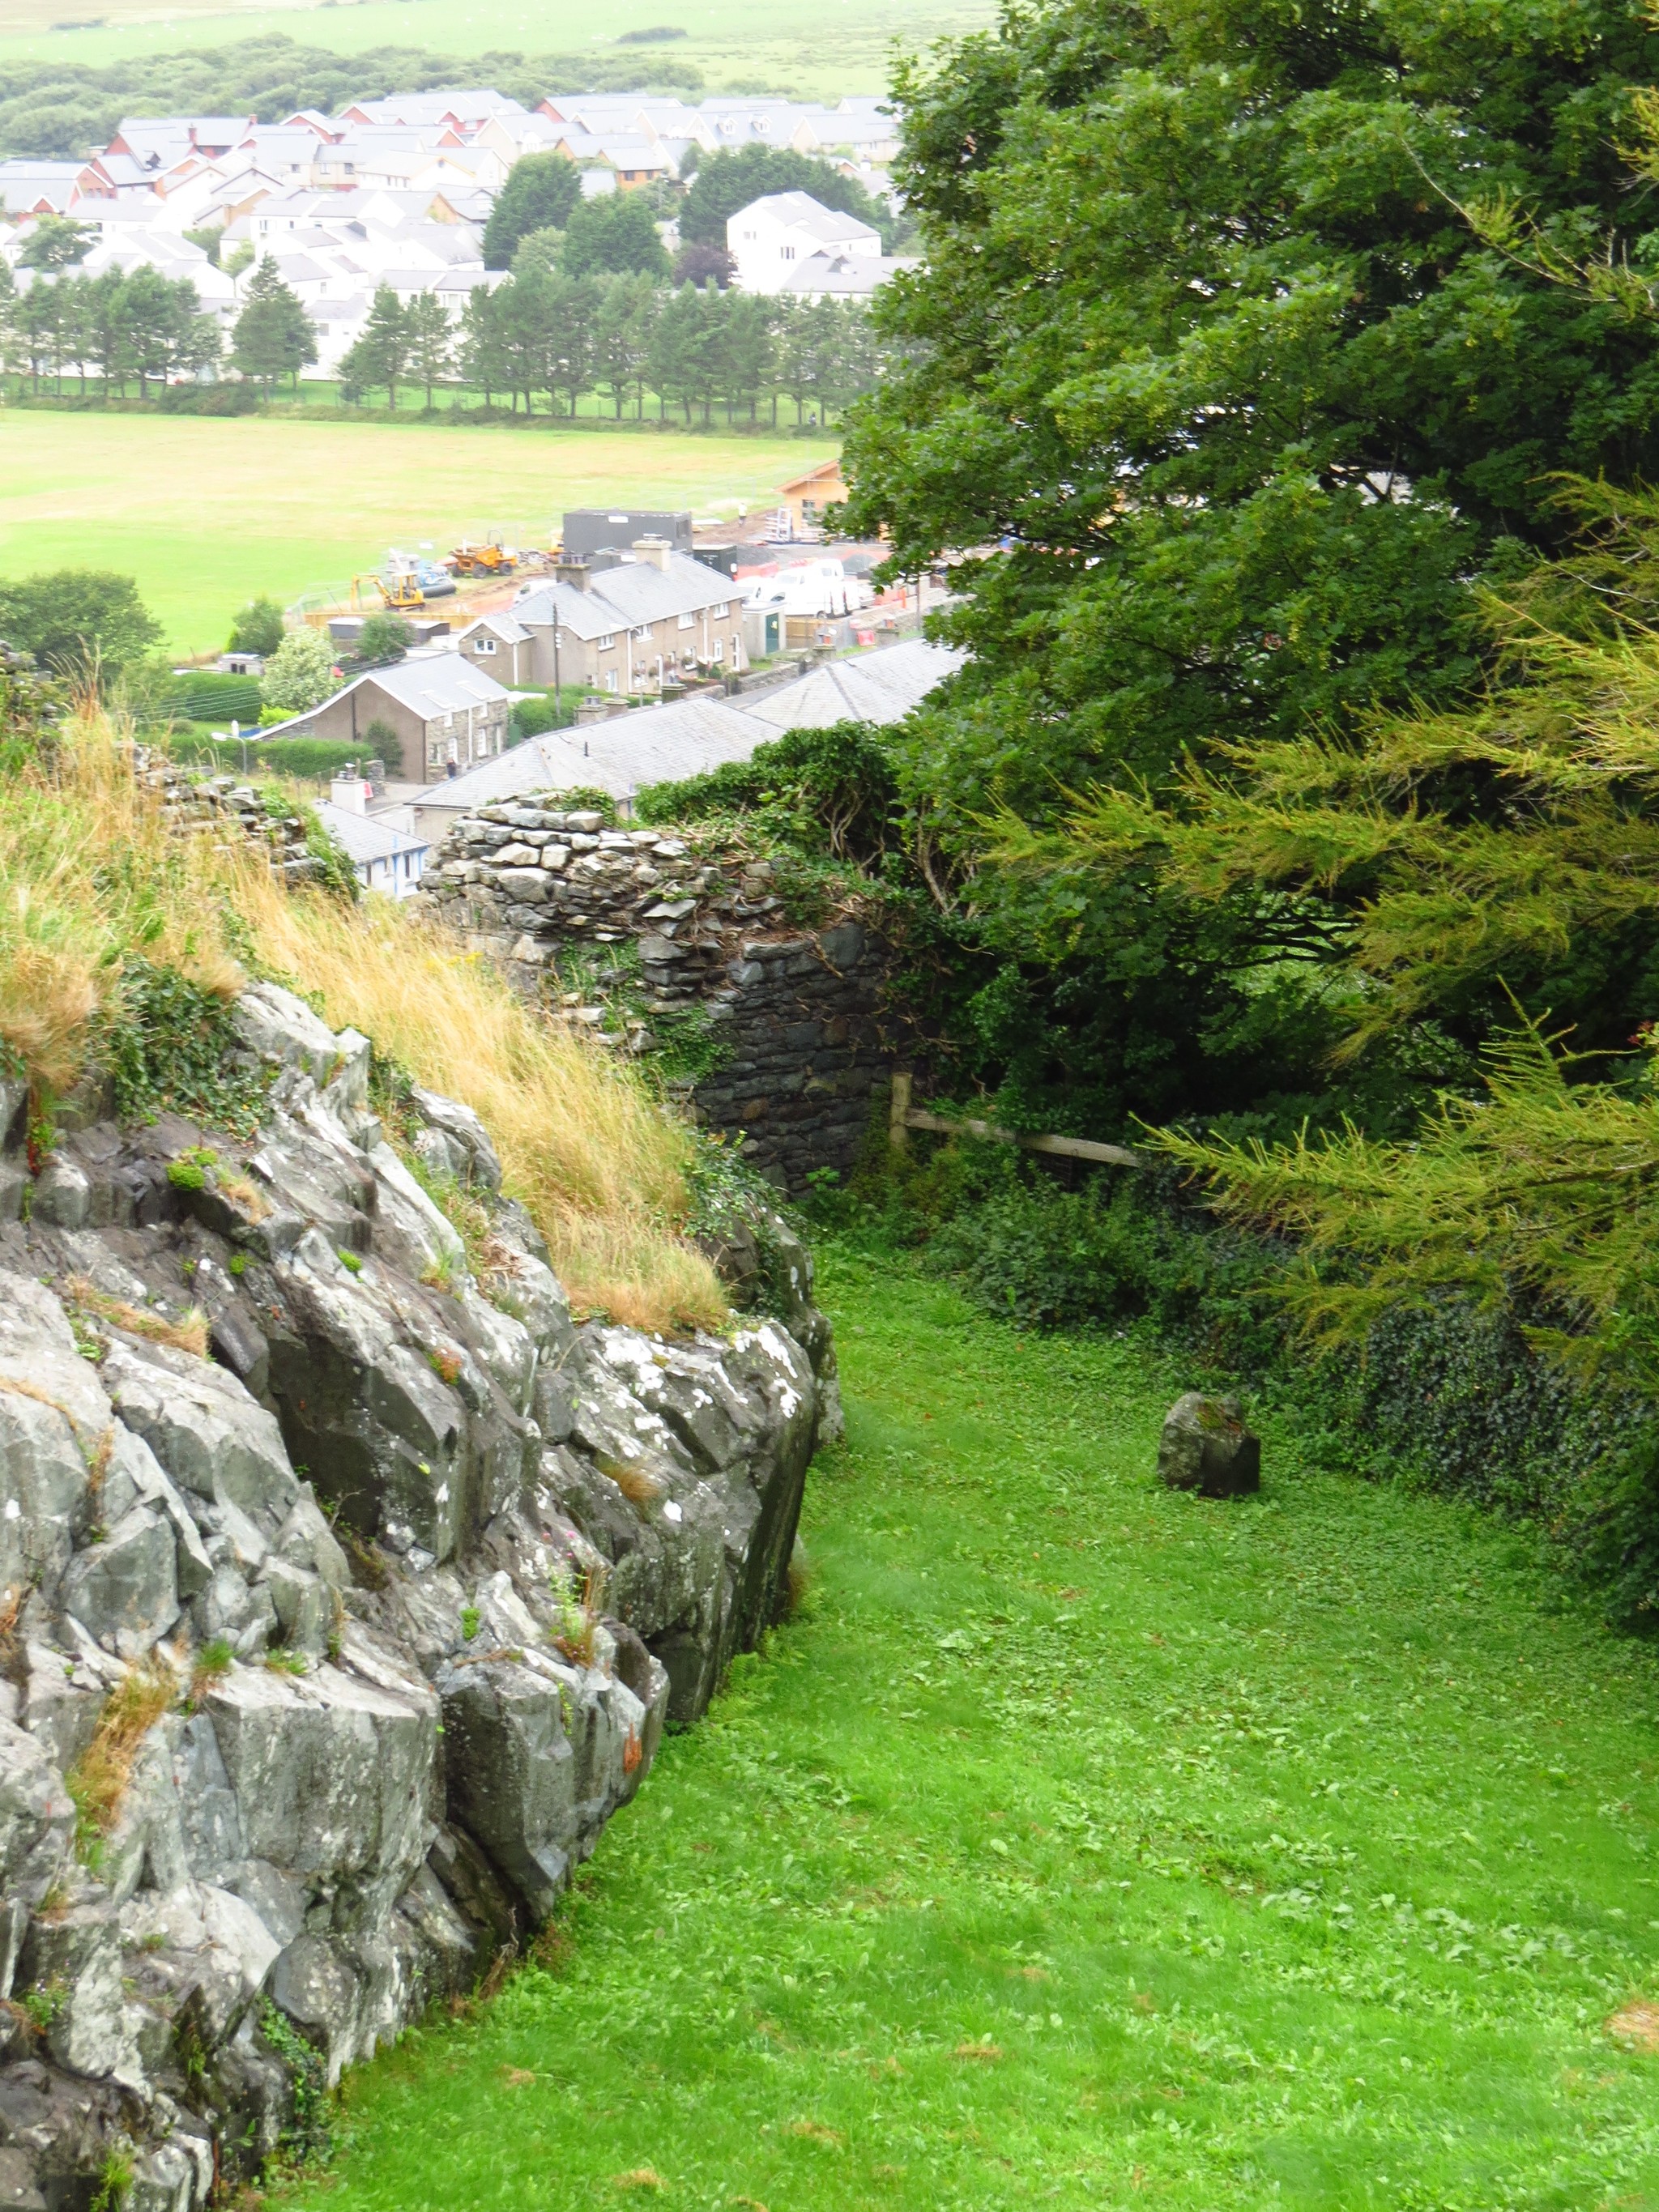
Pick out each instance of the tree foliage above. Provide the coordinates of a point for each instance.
(725, 181)
(1232, 411)
(71, 620)
(614, 234)
(258, 628)
(539, 193)
(274, 335)
(58, 109)
(300, 672)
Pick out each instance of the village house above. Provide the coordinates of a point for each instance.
(805, 498)
(446, 714)
(647, 621)
(775, 237)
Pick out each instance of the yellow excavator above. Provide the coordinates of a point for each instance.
(398, 589)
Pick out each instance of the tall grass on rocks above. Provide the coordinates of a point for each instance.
(92, 878)
(597, 1162)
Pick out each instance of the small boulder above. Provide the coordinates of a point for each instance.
(1206, 1447)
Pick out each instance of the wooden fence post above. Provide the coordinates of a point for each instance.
(898, 1115)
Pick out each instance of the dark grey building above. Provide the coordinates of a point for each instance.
(591, 530)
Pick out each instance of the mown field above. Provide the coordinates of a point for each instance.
(206, 512)
(1083, 1845)
(819, 53)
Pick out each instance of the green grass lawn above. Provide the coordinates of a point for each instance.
(816, 52)
(1081, 1844)
(207, 511)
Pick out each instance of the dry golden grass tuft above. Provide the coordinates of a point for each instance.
(639, 2176)
(188, 1334)
(634, 1484)
(97, 1780)
(90, 873)
(601, 1167)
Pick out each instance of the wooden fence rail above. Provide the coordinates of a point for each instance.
(903, 1117)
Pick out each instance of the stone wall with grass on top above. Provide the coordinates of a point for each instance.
(785, 1028)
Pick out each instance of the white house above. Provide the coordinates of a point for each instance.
(772, 238)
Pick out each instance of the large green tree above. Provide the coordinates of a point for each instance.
(274, 335)
(539, 193)
(1229, 404)
(615, 235)
(76, 618)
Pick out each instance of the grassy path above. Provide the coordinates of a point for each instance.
(1083, 1845)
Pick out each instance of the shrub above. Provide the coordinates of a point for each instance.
(258, 626)
(300, 672)
(382, 743)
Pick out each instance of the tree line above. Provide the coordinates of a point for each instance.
(539, 339)
(546, 337)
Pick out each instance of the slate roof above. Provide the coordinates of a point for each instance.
(363, 837)
(427, 684)
(645, 744)
(627, 596)
(880, 686)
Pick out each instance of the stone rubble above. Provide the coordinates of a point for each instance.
(326, 1656)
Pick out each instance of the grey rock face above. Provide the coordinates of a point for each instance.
(417, 1571)
(1206, 1447)
(124, 1587)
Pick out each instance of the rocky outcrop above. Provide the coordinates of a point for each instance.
(347, 1584)
(796, 1023)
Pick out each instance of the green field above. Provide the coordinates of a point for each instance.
(1085, 1845)
(816, 51)
(207, 511)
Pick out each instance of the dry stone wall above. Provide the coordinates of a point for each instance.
(799, 1020)
(347, 1584)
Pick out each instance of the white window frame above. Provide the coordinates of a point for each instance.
(688, 622)
(605, 644)
(719, 653)
(483, 645)
(722, 610)
(609, 679)
(642, 635)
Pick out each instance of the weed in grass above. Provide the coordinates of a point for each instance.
(97, 1780)
(1288, 1898)
(281, 1661)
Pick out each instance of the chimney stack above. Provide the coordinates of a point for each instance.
(574, 572)
(656, 550)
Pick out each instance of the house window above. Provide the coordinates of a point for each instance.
(603, 644)
(483, 645)
(609, 679)
(719, 650)
(642, 635)
(721, 611)
(686, 621)
(737, 649)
